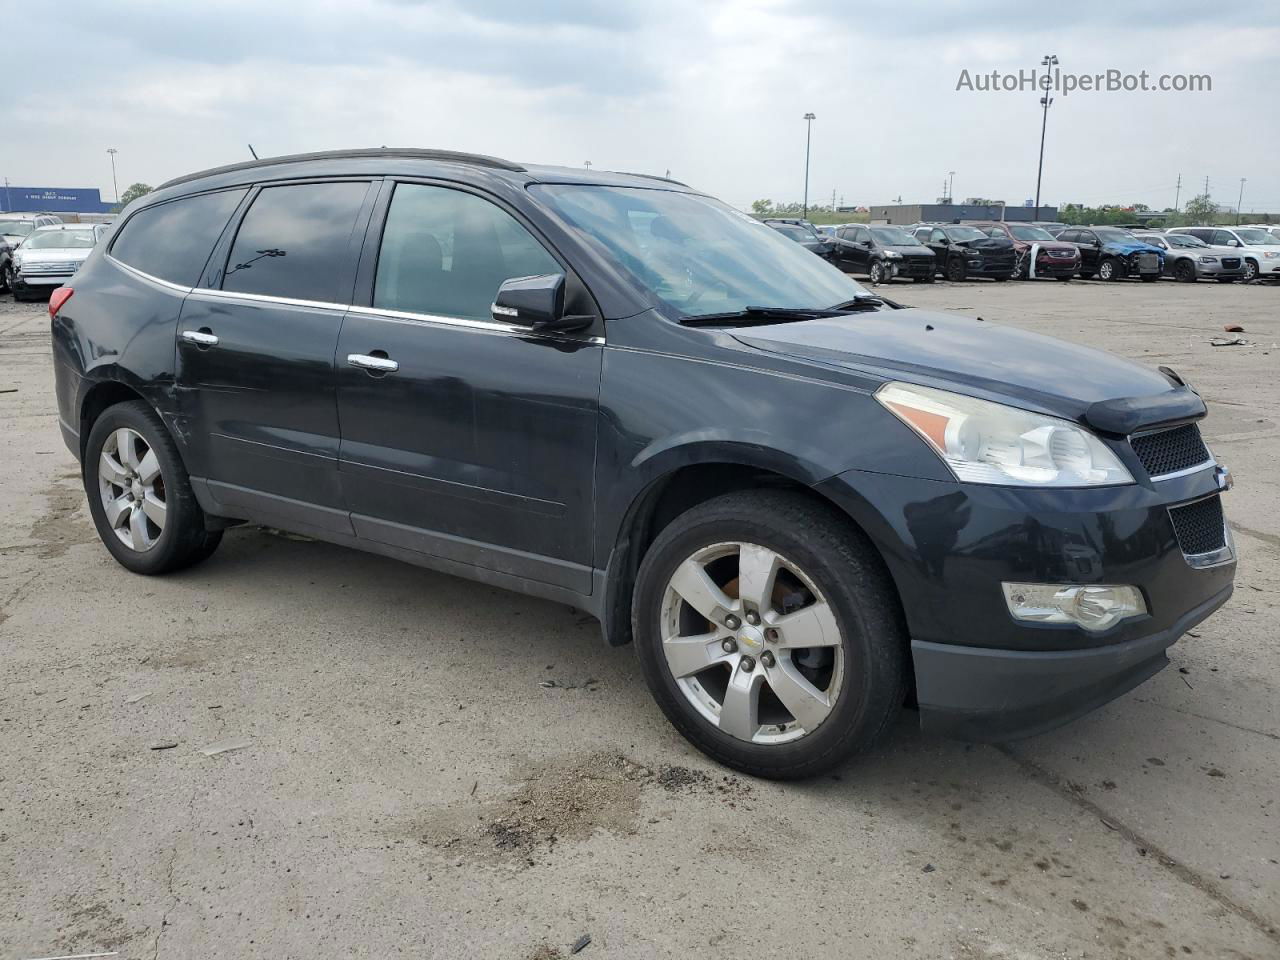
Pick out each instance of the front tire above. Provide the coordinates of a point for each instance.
(956, 270)
(139, 494)
(6, 278)
(1185, 271)
(1110, 269)
(770, 634)
(876, 273)
(1250, 271)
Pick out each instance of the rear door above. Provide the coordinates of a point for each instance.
(256, 341)
(476, 441)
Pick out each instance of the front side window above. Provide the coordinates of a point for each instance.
(1224, 239)
(295, 242)
(446, 252)
(173, 240)
(701, 257)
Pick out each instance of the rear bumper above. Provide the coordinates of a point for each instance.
(976, 693)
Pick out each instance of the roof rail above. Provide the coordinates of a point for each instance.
(649, 176)
(453, 156)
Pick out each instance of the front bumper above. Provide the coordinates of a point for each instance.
(990, 268)
(981, 674)
(1056, 267)
(1218, 270)
(976, 693)
(42, 281)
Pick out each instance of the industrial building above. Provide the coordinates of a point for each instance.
(52, 200)
(947, 212)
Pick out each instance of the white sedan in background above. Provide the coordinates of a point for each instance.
(49, 256)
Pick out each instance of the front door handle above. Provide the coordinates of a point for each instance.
(377, 364)
(201, 338)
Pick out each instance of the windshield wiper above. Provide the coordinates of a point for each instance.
(763, 315)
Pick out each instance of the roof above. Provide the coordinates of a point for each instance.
(495, 164)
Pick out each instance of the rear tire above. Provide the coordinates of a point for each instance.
(139, 493)
(795, 710)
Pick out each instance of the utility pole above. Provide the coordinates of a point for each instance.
(8, 203)
(1049, 62)
(1178, 194)
(114, 186)
(1240, 201)
(586, 164)
(951, 186)
(1206, 187)
(833, 199)
(808, 132)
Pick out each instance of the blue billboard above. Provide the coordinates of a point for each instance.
(52, 199)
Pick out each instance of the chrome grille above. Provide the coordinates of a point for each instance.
(1168, 451)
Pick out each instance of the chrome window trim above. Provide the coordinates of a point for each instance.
(266, 298)
(168, 285)
(480, 326)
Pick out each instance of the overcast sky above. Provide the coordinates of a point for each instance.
(712, 91)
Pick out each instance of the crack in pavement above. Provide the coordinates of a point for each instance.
(173, 897)
(1052, 781)
(1271, 539)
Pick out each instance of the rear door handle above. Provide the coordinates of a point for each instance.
(201, 338)
(376, 364)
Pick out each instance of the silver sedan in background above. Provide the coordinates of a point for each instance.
(50, 256)
(1189, 259)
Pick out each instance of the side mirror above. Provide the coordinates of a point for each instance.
(537, 303)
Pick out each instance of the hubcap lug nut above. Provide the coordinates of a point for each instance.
(748, 664)
(729, 646)
(732, 622)
(771, 635)
(766, 658)
(753, 618)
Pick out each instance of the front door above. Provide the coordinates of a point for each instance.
(1090, 250)
(256, 384)
(466, 439)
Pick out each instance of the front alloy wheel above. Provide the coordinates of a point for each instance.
(770, 633)
(876, 274)
(132, 489)
(1250, 270)
(1109, 270)
(752, 643)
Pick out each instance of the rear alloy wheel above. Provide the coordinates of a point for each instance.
(1185, 271)
(876, 274)
(139, 494)
(1110, 269)
(769, 634)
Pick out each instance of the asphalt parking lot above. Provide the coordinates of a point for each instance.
(426, 767)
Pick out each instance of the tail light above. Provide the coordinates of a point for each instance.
(57, 299)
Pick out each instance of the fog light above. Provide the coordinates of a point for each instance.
(1090, 606)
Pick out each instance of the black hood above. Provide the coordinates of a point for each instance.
(989, 245)
(908, 250)
(984, 359)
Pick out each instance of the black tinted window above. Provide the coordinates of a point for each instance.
(295, 242)
(446, 252)
(173, 240)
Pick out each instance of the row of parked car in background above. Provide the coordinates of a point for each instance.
(39, 252)
(1009, 250)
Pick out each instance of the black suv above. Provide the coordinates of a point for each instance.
(805, 505)
(963, 251)
(882, 253)
(804, 233)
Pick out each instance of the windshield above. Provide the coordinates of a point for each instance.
(60, 239)
(1112, 235)
(16, 228)
(1256, 236)
(1180, 240)
(696, 254)
(965, 234)
(894, 237)
(792, 231)
(1032, 234)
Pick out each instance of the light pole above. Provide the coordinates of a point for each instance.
(1240, 201)
(808, 130)
(115, 187)
(1046, 101)
(951, 185)
(586, 164)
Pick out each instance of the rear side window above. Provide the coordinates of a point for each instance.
(173, 240)
(446, 252)
(295, 242)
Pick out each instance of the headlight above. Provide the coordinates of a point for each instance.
(1270, 256)
(985, 442)
(1208, 259)
(892, 255)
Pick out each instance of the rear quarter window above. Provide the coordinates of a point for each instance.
(173, 240)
